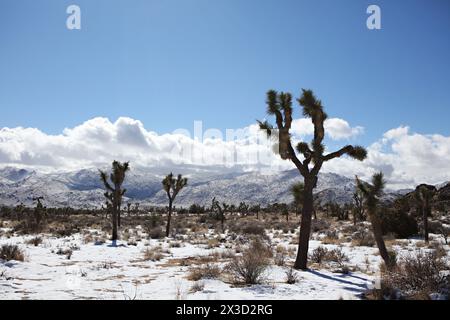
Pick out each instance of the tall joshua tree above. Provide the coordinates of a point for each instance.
(172, 187)
(114, 191)
(424, 194)
(371, 194)
(312, 156)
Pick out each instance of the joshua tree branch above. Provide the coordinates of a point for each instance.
(338, 153)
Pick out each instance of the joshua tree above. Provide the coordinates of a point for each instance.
(172, 187)
(424, 194)
(135, 209)
(221, 209)
(243, 208)
(129, 209)
(114, 191)
(371, 194)
(297, 190)
(313, 154)
(358, 207)
(255, 209)
(39, 211)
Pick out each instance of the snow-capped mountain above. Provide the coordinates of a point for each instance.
(83, 188)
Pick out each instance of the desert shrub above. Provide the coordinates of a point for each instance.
(208, 271)
(64, 231)
(156, 233)
(35, 241)
(227, 254)
(280, 256)
(175, 244)
(318, 255)
(337, 256)
(439, 249)
(434, 226)
(417, 277)
(11, 252)
(318, 225)
(250, 267)
(213, 243)
(247, 228)
(203, 218)
(291, 276)
(153, 254)
(28, 226)
(349, 229)
(322, 254)
(399, 223)
(254, 228)
(363, 238)
(153, 222)
(67, 252)
(197, 286)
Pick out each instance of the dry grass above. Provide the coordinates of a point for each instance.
(291, 276)
(153, 254)
(11, 252)
(35, 241)
(208, 271)
(197, 286)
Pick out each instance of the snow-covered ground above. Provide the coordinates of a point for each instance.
(103, 271)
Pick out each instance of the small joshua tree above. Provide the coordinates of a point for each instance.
(297, 190)
(256, 209)
(358, 207)
(371, 194)
(424, 195)
(312, 155)
(39, 210)
(221, 209)
(114, 191)
(172, 187)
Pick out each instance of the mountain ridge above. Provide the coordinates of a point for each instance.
(83, 188)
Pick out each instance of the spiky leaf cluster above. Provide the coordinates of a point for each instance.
(280, 106)
(172, 185)
(371, 192)
(113, 186)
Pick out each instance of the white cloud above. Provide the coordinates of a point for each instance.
(335, 128)
(406, 158)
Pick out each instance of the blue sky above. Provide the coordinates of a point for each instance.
(168, 63)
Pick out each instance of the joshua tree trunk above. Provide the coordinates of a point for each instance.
(114, 222)
(425, 220)
(305, 228)
(222, 221)
(378, 235)
(168, 218)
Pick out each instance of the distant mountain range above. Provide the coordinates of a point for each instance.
(83, 189)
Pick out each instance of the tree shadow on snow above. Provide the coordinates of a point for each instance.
(339, 279)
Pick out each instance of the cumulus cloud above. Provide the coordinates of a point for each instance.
(335, 128)
(99, 141)
(406, 158)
